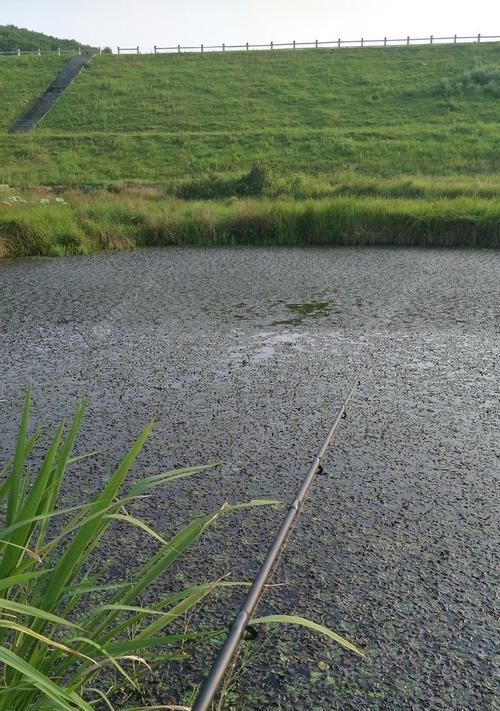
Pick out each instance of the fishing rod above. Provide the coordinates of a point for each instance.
(209, 688)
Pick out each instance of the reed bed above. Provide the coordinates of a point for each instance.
(81, 223)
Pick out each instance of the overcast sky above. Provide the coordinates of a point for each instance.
(170, 22)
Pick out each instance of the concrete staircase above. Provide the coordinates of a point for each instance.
(37, 111)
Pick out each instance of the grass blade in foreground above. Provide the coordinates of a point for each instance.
(314, 626)
(62, 620)
(46, 577)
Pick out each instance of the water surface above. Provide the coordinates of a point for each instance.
(243, 356)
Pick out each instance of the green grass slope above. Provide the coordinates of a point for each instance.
(276, 91)
(22, 80)
(331, 114)
(333, 156)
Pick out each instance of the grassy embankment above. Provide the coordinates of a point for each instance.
(396, 146)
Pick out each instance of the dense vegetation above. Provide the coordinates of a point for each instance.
(77, 222)
(414, 123)
(13, 38)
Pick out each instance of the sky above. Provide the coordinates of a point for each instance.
(146, 23)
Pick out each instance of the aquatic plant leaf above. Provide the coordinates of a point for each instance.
(314, 626)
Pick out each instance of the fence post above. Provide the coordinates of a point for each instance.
(223, 46)
(294, 44)
(479, 38)
(247, 46)
(59, 51)
(138, 50)
(361, 41)
(154, 49)
(118, 50)
(385, 41)
(100, 50)
(179, 48)
(39, 52)
(339, 42)
(316, 44)
(408, 40)
(202, 48)
(455, 40)
(432, 39)
(272, 46)
(18, 52)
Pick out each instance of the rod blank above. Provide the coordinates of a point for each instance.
(209, 688)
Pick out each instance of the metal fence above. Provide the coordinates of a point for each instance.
(271, 46)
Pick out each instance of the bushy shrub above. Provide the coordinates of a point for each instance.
(483, 80)
(215, 187)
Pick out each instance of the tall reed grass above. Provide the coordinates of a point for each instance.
(108, 221)
(69, 638)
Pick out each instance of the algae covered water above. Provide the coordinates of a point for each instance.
(243, 356)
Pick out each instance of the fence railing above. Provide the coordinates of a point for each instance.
(315, 44)
(43, 52)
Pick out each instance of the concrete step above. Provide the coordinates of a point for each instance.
(44, 103)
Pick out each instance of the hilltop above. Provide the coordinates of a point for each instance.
(13, 38)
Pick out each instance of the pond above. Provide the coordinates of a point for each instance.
(243, 356)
